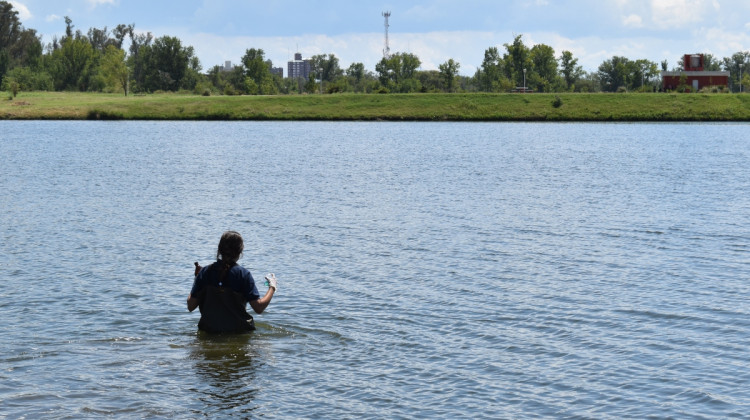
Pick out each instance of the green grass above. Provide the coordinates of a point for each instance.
(374, 107)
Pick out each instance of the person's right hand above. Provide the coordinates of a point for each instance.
(271, 279)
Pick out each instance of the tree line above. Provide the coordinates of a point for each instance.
(97, 61)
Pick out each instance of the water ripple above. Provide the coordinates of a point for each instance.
(427, 270)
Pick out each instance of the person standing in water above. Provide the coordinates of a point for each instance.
(223, 289)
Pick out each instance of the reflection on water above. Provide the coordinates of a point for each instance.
(225, 365)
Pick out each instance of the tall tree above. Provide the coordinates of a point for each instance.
(589, 82)
(99, 39)
(356, 74)
(517, 58)
(613, 73)
(114, 68)
(397, 72)
(120, 32)
(27, 51)
(4, 63)
(255, 64)
(10, 25)
(357, 71)
(570, 70)
(643, 73)
(139, 46)
(68, 27)
(490, 77)
(544, 68)
(409, 64)
(216, 77)
(258, 71)
(238, 82)
(430, 81)
(18, 46)
(732, 65)
(711, 63)
(327, 66)
(167, 63)
(621, 72)
(448, 73)
(71, 64)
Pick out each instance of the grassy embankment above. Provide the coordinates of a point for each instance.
(417, 107)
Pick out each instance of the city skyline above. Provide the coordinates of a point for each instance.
(435, 31)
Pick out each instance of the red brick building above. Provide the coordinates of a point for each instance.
(695, 77)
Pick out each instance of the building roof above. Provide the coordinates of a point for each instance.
(695, 73)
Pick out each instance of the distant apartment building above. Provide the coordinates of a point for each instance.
(227, 67)
(279, 71)
(298, 68)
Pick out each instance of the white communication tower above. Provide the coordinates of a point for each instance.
(387, 49)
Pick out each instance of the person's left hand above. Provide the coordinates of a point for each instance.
(271, 279)
(197, 268)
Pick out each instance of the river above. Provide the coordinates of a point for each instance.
(426, 270)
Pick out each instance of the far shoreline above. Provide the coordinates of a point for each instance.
(477, 107)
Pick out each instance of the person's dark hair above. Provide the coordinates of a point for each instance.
(230, 250)
(230, 247)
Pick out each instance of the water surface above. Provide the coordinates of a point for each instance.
(427, 270)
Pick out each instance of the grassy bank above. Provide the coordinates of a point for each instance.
(420, 107)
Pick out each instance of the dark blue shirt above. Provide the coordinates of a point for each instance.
(238, 279)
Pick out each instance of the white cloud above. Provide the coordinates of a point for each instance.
(677, 13)
(95, 3)
(723, 43)
(52, 18)
(23, 11)
(632, 21)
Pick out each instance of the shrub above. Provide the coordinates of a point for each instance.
(622, 89)
(14, 87)
(557, 102)
(202, 88)
(97, 83)
(710, 89)
(28, 80)
(96, 114)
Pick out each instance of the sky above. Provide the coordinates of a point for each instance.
(434, 30)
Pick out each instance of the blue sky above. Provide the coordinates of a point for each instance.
(434, 30)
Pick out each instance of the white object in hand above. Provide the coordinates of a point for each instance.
(271, 281)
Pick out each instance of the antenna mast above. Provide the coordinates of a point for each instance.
(387, 49)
